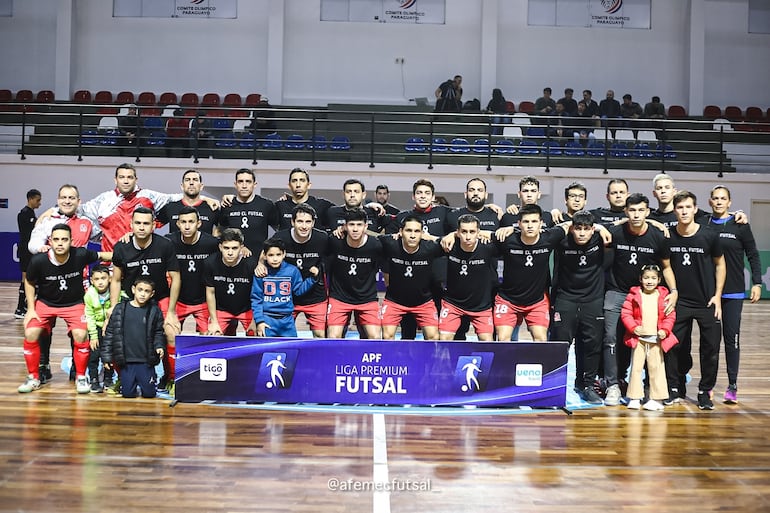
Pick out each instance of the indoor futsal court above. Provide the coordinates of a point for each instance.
(68, 453)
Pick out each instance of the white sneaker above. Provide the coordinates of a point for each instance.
(653, 405)
(634, 404)
(30, 385)
(82, 386)
(612, 397)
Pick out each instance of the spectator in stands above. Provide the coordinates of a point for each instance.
(497, 105)
(559, 125)
(592, 108)
(609, 107)
(629, 109)
(449, 95)
(177, 135)
(570, 104)
(655, 109)
(201, 134)
(545, 105)
(129, 126)
(262, 119)
(583, 124)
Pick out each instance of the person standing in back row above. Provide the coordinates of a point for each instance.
(26, 222)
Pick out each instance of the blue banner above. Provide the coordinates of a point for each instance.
(9, 257)
(347, 371)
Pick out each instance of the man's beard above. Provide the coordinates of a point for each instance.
(475, 204)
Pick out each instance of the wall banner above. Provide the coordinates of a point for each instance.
(497, 374)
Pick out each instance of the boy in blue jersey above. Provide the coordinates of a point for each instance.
(271, 296)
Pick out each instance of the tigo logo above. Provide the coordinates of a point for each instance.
(529, 375)
(213, 369)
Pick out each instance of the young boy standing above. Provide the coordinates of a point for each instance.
(135, 341)
(271, 295)
(97, 301)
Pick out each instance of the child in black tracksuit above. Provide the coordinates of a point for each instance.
(134, 340)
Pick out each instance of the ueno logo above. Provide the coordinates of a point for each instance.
(213, 369)
(529, 375)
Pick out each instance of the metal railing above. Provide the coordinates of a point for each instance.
(378, 134)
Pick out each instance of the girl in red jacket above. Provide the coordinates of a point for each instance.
(648, 333)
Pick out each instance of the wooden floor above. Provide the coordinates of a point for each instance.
(67, 453)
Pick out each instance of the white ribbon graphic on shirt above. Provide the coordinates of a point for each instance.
(231, 289)
(464, 270)
(62, 284)
(408, 271)
(686, 259)
(529, 262)
(145, 270)
(352, 270)
(244, 222)
(632, 259)
(299, 263)
(191, 266)
(582, 260)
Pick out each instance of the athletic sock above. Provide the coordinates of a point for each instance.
(80, 357)
(32, 357)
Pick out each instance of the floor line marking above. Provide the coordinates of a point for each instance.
(381, 495)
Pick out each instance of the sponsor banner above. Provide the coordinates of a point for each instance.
(384, 11)
(635, 14)
(9, 257)
(345, 371)
(175, 8)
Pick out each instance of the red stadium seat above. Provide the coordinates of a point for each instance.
(712, 112)
(24, 95)
(167, 99)
(232, 100)
(527, 107)
(733, 113)
(82, 96)
(754, 114)
(252, 100)
(210, 100)
(676, 112)
(510, 108)
(103, 97)
(189, 100)
(146, 98)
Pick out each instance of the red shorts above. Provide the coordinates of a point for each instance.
(425, 314)
(163, 305)
(74, 316)
(451, 315)
(229, 322)
(199, 312)
(315, 314)
(338, 313)
(508, 314)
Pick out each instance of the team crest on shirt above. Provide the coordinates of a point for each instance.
(556, 317)
(83, 228)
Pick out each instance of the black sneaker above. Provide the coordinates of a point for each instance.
(704, 401)
(96, 387)
(673, 397)
(19, 314)
(589, 395)
(45, 373)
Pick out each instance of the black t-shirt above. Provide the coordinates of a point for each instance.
(513, 220)
(169, 214)
(578, 271)
(335, 217)
(253, 218)
(25, 220)
(191, 258)
(470, 276)
(737, 240)
(409, 273)
(232, 285)
(487, 218)
(693, 265)
(435, 220)
(631, 252)
(60, 285)
(606, 216)
(306, 255)
(353, 271)
(286, 207)
(152, 262)
(527, 275)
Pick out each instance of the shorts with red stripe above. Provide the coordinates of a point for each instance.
(315, 314)
(229, 322)
(508, 314)
(425, 314)
(163, 305)
(451, 315)
(74, 316)
(338, 313)
(199, 312)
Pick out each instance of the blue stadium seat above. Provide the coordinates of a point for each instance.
(595, 148)
(247, 141)
(317, 142)
(340, 143)
(527, 147)
(481, 146)
(642, 150)
(619, 150)
(552, 148)
(439, 145)
(460, 145)
(415, 144)
(89, 137)
(272, 141)
(295, 142)
(573, 149)
(156, 135)
(667, 149)
(505, 147)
